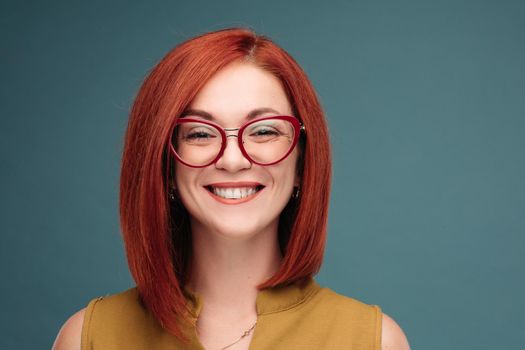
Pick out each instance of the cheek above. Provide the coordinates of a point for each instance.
(179, 176)
(286, 175)
(293, 165)
(185, 175)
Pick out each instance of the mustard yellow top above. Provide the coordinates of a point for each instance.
(290, 317)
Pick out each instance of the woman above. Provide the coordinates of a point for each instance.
(224, 196)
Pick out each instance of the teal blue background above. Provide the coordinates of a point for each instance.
(425, 102)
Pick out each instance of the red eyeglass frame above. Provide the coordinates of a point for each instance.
(297, 125)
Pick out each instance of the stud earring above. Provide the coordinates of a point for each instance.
(296, 192)
(171, 194)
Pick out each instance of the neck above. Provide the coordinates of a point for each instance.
(226, 270)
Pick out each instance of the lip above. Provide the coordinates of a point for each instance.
(234, 184)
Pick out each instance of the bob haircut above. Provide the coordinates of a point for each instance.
(156, 231)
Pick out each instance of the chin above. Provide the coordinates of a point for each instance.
(239, 228)
(236, 231)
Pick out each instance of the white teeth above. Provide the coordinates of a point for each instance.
(234, 193)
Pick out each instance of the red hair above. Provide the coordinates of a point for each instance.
(156, 233)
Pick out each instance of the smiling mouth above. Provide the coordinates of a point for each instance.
(234, 193)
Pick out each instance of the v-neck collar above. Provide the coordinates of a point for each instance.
(269, 300)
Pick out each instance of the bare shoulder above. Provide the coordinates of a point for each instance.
(392, 336)
(68, 337)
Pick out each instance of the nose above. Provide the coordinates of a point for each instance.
(232, 158)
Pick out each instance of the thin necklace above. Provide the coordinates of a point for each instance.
(242, 336)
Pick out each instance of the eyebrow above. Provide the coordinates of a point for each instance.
(253, 114)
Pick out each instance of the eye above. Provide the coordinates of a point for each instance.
(195, 135)
(198, 134)
(264, 131)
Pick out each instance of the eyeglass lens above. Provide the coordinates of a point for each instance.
(265, 141)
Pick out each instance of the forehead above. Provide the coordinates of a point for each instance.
(238, 92)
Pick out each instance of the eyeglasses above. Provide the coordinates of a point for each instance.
(266, 141)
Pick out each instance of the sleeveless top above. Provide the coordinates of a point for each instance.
(289, 317)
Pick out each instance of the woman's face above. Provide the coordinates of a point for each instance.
(229, 96)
